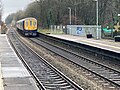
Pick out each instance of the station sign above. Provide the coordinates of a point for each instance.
(79, 30)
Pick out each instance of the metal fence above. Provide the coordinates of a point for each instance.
(57, 28)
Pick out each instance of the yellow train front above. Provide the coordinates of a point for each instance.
(27, 26)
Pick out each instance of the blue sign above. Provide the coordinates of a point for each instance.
(79, 30)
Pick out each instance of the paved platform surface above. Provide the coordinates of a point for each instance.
(110, 45)
(13, 74)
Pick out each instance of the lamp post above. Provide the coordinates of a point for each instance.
(69, 14)
(96, 18)
(76, 9)
(70, 18)
(75, 15)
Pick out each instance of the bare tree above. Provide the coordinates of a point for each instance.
(50, 12)
(1, 9)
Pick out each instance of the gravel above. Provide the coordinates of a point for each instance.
(69, 69)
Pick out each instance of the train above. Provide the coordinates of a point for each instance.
(27, 26)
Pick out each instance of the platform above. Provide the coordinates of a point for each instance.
(13, 74)
(106, 44)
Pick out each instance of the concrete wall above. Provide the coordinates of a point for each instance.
(83, 30)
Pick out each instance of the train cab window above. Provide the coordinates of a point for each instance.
(34, 23)
(30, 23)
(26, 23)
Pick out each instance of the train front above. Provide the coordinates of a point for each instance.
(30, 27)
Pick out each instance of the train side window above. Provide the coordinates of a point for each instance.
(30, 23)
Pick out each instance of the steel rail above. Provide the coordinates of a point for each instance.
(76, 86)
(39, 84)
(84, 66)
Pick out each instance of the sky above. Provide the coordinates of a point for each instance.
(12, 6)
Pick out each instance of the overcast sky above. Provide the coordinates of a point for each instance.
(11, 6)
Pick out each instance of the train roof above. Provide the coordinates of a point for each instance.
(25, 19)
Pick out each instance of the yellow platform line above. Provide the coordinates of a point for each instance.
(1, 80)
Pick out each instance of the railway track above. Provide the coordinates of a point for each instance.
(108, 75)
(46, 75)
(97, 54)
